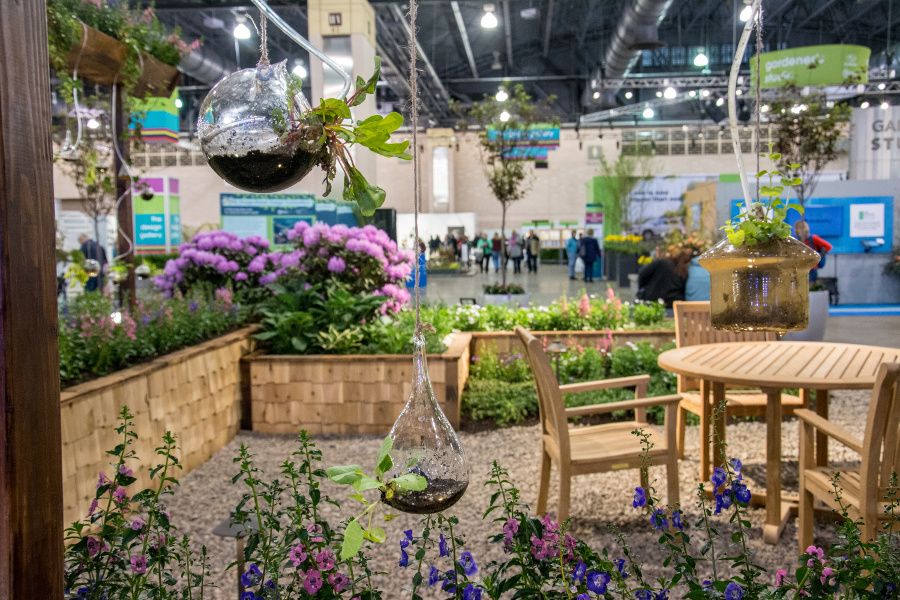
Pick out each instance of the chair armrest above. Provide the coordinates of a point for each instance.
(605, 384)
(598, 409)
(829, 428)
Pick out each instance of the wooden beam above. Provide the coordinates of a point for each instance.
(31, 530)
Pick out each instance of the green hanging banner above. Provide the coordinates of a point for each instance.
(828, 64)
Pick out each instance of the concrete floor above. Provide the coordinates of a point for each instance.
(552, 281)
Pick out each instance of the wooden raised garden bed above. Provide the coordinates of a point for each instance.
(347, 394)
(194, 392)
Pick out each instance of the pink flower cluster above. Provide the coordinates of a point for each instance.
(551, 544)
(319, 563)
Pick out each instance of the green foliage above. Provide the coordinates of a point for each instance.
(764, 221)
(504, 288)
(619, 180)
(647, 314)
(95, 338)
(332, 118)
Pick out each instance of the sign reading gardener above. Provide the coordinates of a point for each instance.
(829, 64)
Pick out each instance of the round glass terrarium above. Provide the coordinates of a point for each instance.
(425, 444)
(253, 130)
(91, 267)
(762, 287)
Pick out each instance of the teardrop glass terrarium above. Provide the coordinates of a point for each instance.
(253, 132)
(424, 443)
(760, 287)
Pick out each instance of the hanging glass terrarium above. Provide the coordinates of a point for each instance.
(91, 267)
(425, 444)
(763, 287)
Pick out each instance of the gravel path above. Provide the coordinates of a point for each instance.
(206, 494)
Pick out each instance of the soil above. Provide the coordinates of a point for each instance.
(784, 317)
(263, 171)
(440, 495)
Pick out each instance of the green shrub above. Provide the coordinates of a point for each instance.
(646, 314)
(500, 401)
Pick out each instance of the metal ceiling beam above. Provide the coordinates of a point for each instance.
(548, 27)
(398, 15)
(517, 79)
(817, 12)
(467, 47)
(507, 33)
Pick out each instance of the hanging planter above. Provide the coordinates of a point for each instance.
(157, 78)
(96, 56)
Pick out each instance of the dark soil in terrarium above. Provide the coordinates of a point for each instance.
(440, 495)
(780, 318)
(264, 172)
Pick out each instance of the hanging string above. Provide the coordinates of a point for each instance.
(417, 192)
(759, 49)
(732, 100)
(263, 41)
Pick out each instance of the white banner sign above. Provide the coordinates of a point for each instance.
(866, 220)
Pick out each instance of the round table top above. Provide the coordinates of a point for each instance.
(808, 365)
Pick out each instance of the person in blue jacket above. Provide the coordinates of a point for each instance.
(697, 286)
(572, 254)
(589, 251)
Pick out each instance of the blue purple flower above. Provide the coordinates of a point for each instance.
(467, 562)
(579, 571)
(470, 592)
(640, 497)
(252, 576)
(658, 519)
(676, 520)
(734, 591)
(597, 581)
(442, 546)
(433, 575)
(718, 477)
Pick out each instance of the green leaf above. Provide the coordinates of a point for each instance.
(375, 534)
(353, 539)
(384, 462)
(368, 197)
(344, 474)
(365, 483)
(410, 482)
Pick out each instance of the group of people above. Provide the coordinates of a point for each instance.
(585, 247)
(493, 251)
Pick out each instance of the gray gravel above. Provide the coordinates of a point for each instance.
(206, 494)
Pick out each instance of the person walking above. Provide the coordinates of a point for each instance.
(496, 249)
(589, 250)
(464, 252)
(572, 254)
(93, 251)
(484, 264)
(801, 228)
(515, 251)
(533, 249)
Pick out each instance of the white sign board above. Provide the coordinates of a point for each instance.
(866, 220)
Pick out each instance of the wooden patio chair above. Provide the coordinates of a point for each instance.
(863, 489)
(598, 448)
(693, 326)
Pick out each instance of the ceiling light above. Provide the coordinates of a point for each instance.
(692, 94)
(720, 101)
(502, 96)
(629, 95)
(829, 104)
(764, 108)
(684, 127)
(496, 65)
(648, 113)
(529, 13)
(881, 86)
(241, 31)
(504, 116)
(738, 92)
(178, 103)
(669, 93)
(701, 60)
(704, 93)
(864, 104)
(489, 19)
(746, 12)
(596, 95)
(93, 123)
(299, 70)
(885, 105)
(658, 94)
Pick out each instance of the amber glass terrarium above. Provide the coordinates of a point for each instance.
(760, 287)
(424, 443)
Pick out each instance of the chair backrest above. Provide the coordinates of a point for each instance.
(551, 408)
(881, 446)
(693, 326)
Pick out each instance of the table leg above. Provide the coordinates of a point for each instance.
(775, 520)
(821, 438)
(705, 414)
(719, 414)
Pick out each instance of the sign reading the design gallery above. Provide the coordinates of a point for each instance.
(828, 64)
(866, 220)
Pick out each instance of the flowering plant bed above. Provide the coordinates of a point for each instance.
(128, 544)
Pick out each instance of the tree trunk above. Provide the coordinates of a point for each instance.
(503, 245)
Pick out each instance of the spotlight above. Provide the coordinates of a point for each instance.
(299, 70)
(884, 105)
(764, 108)
(692, 94)
(669, 93)
(93, 123)
(648, 113)
(684, 128)
(595, 95)
(738, 92)
(629, 95)
(489, 19)
(720, 101)
(241, 31)
(701, 60)
(502, 96)
(704, 93)
(659, 94)
(746, 12)
(178, 103)
(864, 104)
(504, 117)
(881, 86)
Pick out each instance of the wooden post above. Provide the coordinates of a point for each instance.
(125, 240)
(31, 530)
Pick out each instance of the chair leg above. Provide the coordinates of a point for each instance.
(870, 528)
(672, 481)
(565, 484)
(680, 425)
(544, 483)
(705, 422)
(805, 520)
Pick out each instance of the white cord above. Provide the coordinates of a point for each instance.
(732, 96)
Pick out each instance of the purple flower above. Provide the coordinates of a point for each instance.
(640, 497)
(579, 571)
(449, 584)
(93, 506)
(312, 583)
(676, 520)
(661, 595)
(120, 495)
(93, 546)
(736, 464)
(442, 546)
(139, 564)
(252, 576)
(597, 581)
(467, 562)
(433, 575)
(137, 524)
(336, 264)
(733, 591)
(297, 554)
(325, 560)
(510, 529)
(658, 519)
(125, 471)
(723, 502)
(620, 567)
(240, 277)
(582, 597)
(643, 595)
(741, 492)
(338, 582)
(470, 592)
(718, 478)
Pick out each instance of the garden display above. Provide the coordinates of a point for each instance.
(259, 132)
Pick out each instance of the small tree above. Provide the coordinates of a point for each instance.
(503, 126)
(93, 179)
(620, 178)
(805, 131)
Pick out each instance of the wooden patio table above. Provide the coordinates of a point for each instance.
(774, 366)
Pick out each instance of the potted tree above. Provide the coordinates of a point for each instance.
(504, 123)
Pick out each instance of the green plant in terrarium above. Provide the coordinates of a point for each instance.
(763, 221)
